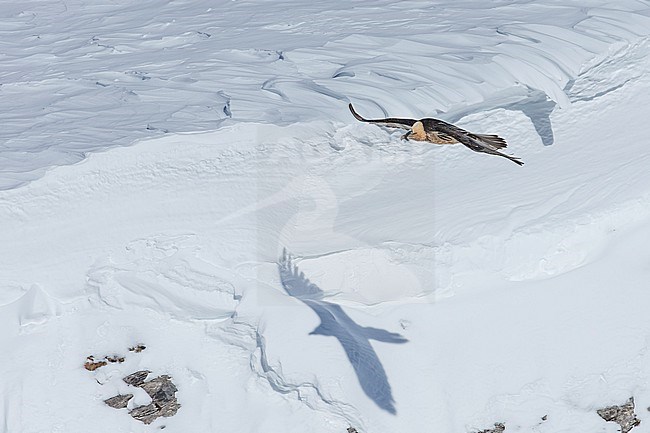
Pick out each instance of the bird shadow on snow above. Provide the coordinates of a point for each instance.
(354, 338)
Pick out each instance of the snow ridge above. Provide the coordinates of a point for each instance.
(109, 87)
(432, 288)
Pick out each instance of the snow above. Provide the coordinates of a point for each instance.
(192, 180)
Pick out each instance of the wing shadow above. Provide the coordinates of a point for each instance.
(354, 338)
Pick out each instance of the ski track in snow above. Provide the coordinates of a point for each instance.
(496, 278)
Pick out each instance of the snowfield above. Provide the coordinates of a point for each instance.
(186, 175)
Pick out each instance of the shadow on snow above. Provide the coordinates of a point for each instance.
(534, 104)
(354, 338)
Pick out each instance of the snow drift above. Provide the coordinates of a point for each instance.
(155, 168)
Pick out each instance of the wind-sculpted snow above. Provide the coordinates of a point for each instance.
(498, 278)
(430, 288)
(117, 73)
(185, 287)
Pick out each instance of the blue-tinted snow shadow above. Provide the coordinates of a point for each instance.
(354, 338)
(534, 104)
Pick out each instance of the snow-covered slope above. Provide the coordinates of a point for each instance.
(80, 76)
(155, 168)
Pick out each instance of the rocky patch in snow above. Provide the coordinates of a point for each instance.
(137, 348)
(119, 401)
(622, 415)
(92, 364)
(161, 390)
(163, 397)
(499, 427)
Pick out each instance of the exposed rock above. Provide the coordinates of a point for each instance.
(137, 378)
(137, 348)
(147, 414)
(169, 408)
(119, 401)
(163, 397)
(499, 427)
(161, 388)
(622, 415)
(352, 430)
(115, 359)
(92, 365)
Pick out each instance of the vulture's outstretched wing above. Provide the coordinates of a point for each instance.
(477, 142)
(393, 122)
